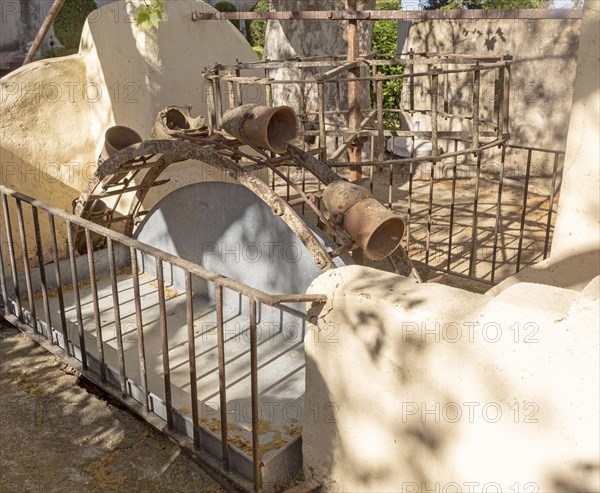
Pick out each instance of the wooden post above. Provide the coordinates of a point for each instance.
(354, 106)
(39, 38)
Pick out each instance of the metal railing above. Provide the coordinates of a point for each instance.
(55, 332)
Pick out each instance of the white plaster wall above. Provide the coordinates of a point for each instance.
(421, 387)
(53, 113)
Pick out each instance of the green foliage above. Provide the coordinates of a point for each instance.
(260, 51)
(60, 51)
(258, 28)
(486, 4)
(385, 42)
(225, 6)
(70, 20)
(150, 14)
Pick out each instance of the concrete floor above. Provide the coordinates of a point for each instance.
(58, 437)
(280, 357)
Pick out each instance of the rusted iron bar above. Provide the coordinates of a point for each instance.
(476, 95)
(254, 397)
(59, 285)
(524, 210)
(189, 313)
(474, 225)
(222, 381)
(350, 138)
(25, 255)
(75, 284)
(498, 221)
(551, 205)
(465, 136)
(117, 316)
(452, 206)
(410, 160)
(354, 90)
(262, 297)
(322, 122)
(11, 253)
(139, 326)
(435, 87)
(330, 74)
(4, 291)
(164, 339)
(375, 15)
(94, 288)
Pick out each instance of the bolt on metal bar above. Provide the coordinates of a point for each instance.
(117, 316)
(25, 255)
(164, 338)
(524, 210)
(94, 288)
(11, 256)
(551, 206)
(59, 285)
(473, 254)
(189, 311)
(254, 396)
(452, 207)
(76, 297)
(42, 268)
(139, 325)
(222, 381)
(498, 215)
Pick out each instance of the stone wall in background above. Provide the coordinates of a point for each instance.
(542, 75)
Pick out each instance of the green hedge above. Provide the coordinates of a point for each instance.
(258, 28)
(69, 21)
(225, 6)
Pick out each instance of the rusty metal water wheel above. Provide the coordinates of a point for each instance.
(137, 168)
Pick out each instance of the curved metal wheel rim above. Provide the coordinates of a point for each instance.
(179, 150)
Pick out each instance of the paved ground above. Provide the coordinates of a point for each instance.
(57, 436)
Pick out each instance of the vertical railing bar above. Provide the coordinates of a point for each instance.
(76, 297)
(26, 266)
(506, 95)
(42, 268)
(452, 206)
(222, 381)
(139, 324)
(372, 168)
(94, 288)
(231, 89)
(409, 211)
(254, 396)
(500, 111)
(472, 257)
(11, 256)
(551, 205)
(117, 316)
(237, 89)
(434, 112)
(476, 96)
(411, 68)
(164, 337)
(303, 171)
(498, 215)
(322, 129)
(524, 211)
(210, 106)
(59, 286)
(3, 288)
(218, 101)
(189, 298)
(429, 212)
